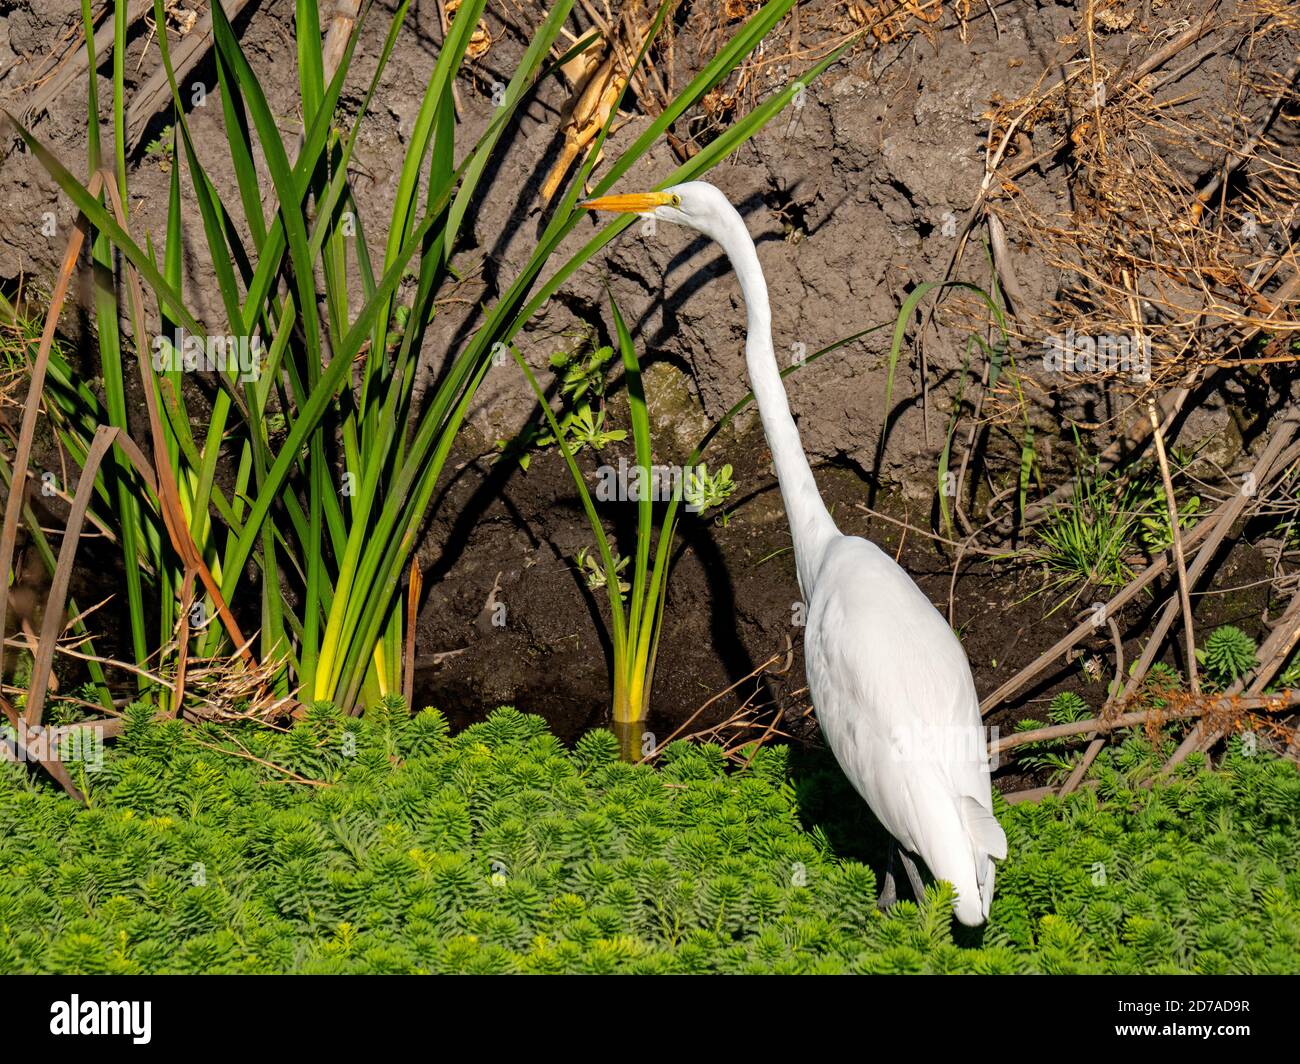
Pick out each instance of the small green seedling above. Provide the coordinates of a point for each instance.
(594, 573)
(704, 491)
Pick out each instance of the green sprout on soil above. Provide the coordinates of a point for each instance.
(1156, 533)
(582, 388)
(580, 374)
(594, 573)
(1228, 655)
(162, 148)
(704, 491)
(587, 429)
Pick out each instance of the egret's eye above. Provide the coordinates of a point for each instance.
(677, 200)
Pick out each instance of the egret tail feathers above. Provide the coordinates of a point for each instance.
(989, 842)
(985, 831)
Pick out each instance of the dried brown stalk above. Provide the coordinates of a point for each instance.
(1225, 710)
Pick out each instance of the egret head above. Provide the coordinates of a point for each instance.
(695, 204)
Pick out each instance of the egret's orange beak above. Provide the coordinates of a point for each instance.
(630, 203)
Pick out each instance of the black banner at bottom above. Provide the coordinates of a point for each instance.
(300, 1013)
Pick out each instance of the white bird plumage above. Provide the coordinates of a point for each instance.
(888, 677)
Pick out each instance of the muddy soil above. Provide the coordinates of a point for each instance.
(854, 198)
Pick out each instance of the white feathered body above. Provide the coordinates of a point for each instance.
(896, 701)
(889, 680)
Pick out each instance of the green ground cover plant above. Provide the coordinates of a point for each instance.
(386, 844)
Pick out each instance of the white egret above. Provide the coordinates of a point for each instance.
(889, 679)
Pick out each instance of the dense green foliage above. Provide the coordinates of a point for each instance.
(1228, 654)
(1055, 756)
(499, 850)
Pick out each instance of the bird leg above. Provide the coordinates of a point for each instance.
(888, 893)
(913, 875)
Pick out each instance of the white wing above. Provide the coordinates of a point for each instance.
(895, 698)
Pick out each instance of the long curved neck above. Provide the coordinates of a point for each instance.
(811, 526)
